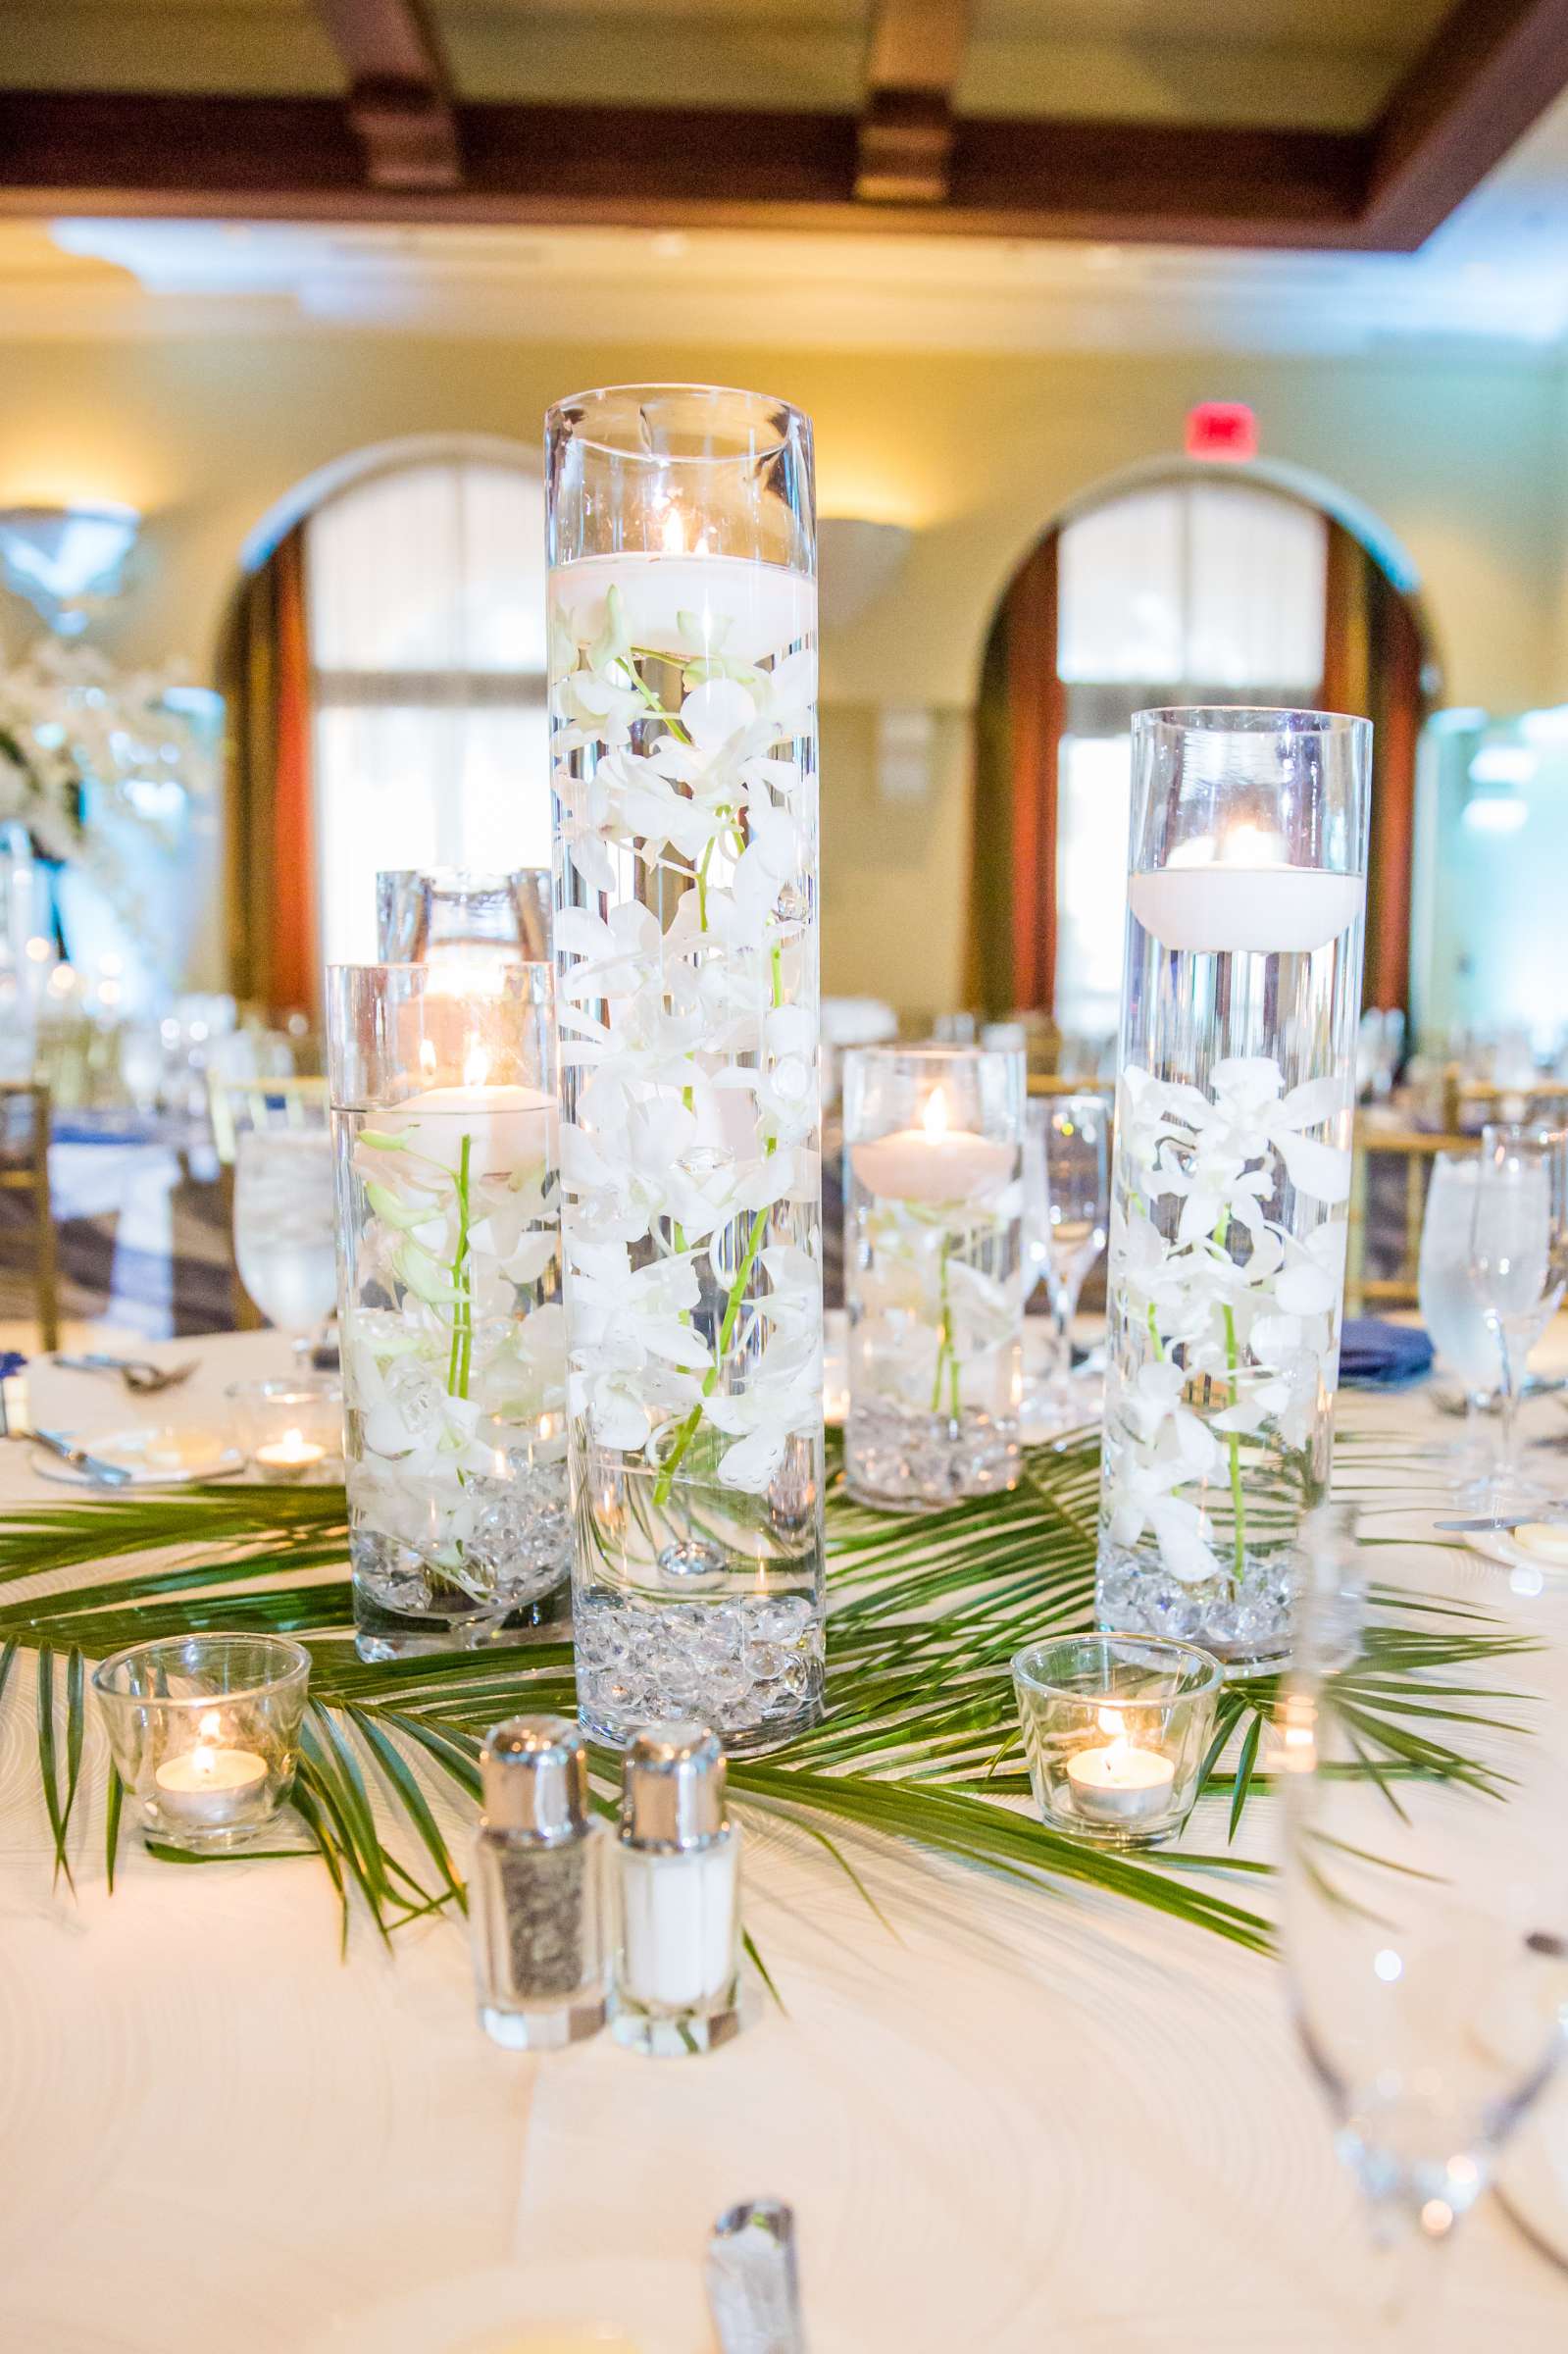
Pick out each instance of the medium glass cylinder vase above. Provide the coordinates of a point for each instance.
(933, 1271)
(449, 1280)
(1240, 996)
(462, 916)
(682, 623)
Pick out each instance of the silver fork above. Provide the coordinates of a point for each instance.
(142, 1378)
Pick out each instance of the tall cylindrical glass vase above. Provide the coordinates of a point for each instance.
(449, 1280)
(1240, 996)
(683, 625)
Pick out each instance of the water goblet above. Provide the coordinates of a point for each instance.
(1066, 1214)
(284, 1228)
(1519, 1266)
(1423, 1923)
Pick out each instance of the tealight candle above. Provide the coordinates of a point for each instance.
(210, 1787)
(293, 1452)
(1117, 1781)
(933, 1162)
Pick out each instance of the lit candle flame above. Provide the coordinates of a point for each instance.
(674, 532)
(1248, 845)
(476, 1066)
(210, 1725)
(203, 1759)
(1110, 1722)
(426, 1058)
(936, 1114)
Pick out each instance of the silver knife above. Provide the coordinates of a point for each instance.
(102, 1474)
(753, 2279)
(1498, 1528)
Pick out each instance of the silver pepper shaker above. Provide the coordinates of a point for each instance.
(539, 1896)
(678, 1954)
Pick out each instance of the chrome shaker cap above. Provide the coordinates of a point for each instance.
(672, 1791)
(534, 1774)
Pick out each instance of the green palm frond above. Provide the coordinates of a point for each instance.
(920, 1744)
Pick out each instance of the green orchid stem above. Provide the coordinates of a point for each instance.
(1234, 1448)
(732, 1311)
(461, 1360)
(710, 1380)
(946, 1354)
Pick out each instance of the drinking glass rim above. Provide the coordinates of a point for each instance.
(298, 1657)
(1208, 1680)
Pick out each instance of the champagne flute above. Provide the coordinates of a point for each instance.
(284, 1244)
(1519, 1265)
(1423, 1925)
(1066, 1216)
(1451, 1305)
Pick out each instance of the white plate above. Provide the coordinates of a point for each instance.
(1532, 2177)
(163, 1456)
(596, 2305)
(1500, 1548)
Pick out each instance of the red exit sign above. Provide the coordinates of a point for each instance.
(1222, 429)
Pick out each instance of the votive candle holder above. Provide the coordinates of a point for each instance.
(290, 1431)
(1116, 1729)
(204, 1732)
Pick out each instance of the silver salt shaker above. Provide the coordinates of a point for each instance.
(679, 1855)
(538, 1895)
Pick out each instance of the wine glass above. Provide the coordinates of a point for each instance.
(1423, 1929)
(1066, 1214)
(1519, 1265)
(284, 1244)
(1450, 1304)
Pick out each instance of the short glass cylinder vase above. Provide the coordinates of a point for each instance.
(449, 1278)
(1232, 1165)
(290, 1432)
(204, 1732)
(934, 1272)
(1116, 1729)
(683, 627)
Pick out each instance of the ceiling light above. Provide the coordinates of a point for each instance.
(1503, 764)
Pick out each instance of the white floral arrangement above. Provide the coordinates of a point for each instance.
(1225, 1317)
(936, 1330)
(80, 739)
(459, 1386)
(697, 1106)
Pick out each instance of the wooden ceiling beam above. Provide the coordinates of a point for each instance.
(1491, 70)
(297, 159)
(905, 135)
(400, 101)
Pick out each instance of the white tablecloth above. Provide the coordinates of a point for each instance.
(1008, 2120)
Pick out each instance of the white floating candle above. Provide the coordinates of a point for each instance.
(210, 1787)
(1116, 1781)
(507, 1127)
(1226, 909)
(748, 611)
(933, 1162)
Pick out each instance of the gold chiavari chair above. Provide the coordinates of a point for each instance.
(1412, 1153)
(24, 1169)
(1052, 1083)
(235, 1106)
(1469, 1104)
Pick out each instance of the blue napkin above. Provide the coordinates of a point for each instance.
(1374, 1356)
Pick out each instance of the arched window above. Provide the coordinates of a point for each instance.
(388, 671)
(1190, 588)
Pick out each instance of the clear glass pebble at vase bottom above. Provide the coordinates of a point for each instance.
(682, 618)
(934, 1271)
(1241, 996)
(453, 1336)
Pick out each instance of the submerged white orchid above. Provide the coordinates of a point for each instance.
(1227, 1256)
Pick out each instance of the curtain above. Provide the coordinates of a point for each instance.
(1012, 916)
(1373, 667)
(271, 853)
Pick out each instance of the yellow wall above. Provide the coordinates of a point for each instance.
(1460, 459)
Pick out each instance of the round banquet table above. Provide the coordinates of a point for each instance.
(1007, 2118)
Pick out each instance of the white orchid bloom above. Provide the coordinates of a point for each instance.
(1155, 1399)
(1143, 1498)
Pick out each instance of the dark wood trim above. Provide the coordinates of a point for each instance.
(405, 150)
(299, 159)
(400, 100)
(913, 61)
(1491, 70)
